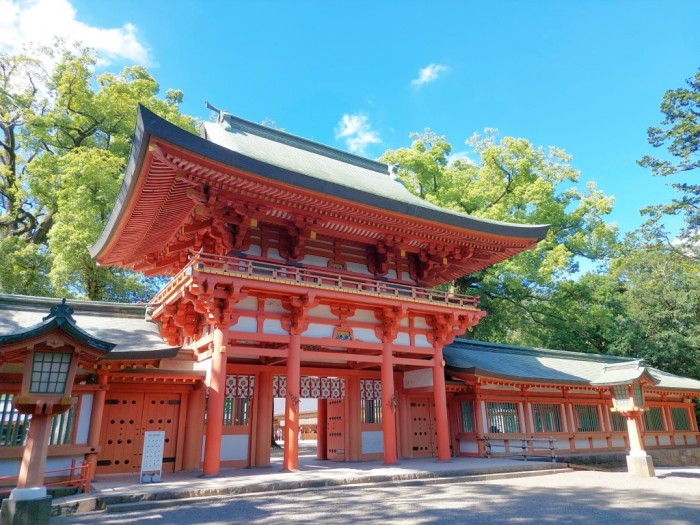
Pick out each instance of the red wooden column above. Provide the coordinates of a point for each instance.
(390, 319)
(441, 420)
(35, 452)
(98, 407)
(353, 426)
(215, 406)
(260, 456)
(291, 406)
(322, 429)
(388, 405)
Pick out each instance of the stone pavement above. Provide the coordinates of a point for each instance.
(124, 492)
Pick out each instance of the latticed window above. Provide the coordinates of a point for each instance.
(547, 417)
(14, 426)
(653, 419)
(681, 421)
(50, 372)
(619, 423)
(467, 417)
(236, 411)
(586, 418)
(503, 417)
(371, 411)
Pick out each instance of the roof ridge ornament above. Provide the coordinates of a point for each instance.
(221, 114)
(61, 311)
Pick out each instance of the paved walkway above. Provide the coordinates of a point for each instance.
(124, 492)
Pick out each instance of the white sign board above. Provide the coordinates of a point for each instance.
(152, 457)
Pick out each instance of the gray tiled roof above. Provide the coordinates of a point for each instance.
(546, 366)
(340, 173)
(122, 324)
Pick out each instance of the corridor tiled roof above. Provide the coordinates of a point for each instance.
(520, 363)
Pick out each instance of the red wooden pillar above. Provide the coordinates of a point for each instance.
(215, 406)
(31, 470)
(443, 428)
(353, 426)
(388, 405)
(263, 420)
(322, 429)
(96, 413)
(194, 427)
(291, 408)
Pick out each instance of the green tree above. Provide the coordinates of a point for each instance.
(512, 180)
(66, 136)
(661, 294)
(679, 133)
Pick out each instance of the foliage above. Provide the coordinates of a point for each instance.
(65, 137)
(516, 182)
(680, 135)
(661, 295)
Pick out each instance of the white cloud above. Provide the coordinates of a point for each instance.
(461, 156)
(357, 132)
(40, 21)
(429, 74)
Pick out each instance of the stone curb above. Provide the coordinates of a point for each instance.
(173, 497)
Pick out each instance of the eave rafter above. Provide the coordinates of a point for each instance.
(215, 207)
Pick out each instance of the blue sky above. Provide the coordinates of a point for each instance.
(586, 76)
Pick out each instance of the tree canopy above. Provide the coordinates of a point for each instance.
(512, 180)
(679, 133)
(65, 137)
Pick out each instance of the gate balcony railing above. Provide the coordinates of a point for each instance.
(315, 278)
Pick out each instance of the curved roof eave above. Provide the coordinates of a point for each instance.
(57, 323)
(150, 125)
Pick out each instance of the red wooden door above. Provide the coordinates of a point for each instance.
(424, 438)
(120, 437)
(126, 417)
(336, 430)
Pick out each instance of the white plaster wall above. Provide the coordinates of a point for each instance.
(419, 322)
(405, 276)
(315, 260)
(421, 341)
(254, 250)
(649, 441)
(581, 444)
(618, 442)
(691, 440)
(319, 330)
(323, 311)
(365, 334)
(600, 443)
(273, 253)
(418, 378)
(83, 426)
(249, 303)
(274, 306)
(366, 316)
(402, 338)
(468, 446)
(665, 440)
(357, 268)
(372, 442)
(273, 326)
(246, 324)
(391, 274)
(234, 447)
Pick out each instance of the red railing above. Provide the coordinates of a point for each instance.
(315, 277)
(78, 476)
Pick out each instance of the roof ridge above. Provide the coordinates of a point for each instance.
(563, 354)
(299, 142)
(80, 306)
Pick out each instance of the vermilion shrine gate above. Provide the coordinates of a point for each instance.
(299, 271)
